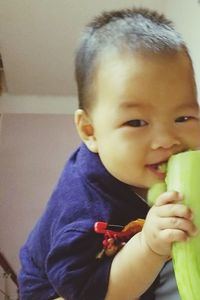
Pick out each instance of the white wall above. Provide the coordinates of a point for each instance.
(23, 104)
(186, 17)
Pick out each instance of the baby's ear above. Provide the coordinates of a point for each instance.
(85, 129)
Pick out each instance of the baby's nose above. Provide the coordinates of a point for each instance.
(165, 139)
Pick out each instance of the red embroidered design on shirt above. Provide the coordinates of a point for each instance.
(116, 236)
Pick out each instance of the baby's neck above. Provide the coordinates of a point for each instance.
(141, 192)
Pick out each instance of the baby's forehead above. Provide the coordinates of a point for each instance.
(131, 74)
(119, 58)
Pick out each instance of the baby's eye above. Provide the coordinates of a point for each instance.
(183, 119)
(136, 123)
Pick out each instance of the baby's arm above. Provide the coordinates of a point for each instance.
(137, 265)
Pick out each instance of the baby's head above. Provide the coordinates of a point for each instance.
(131, 30)
(137, 94)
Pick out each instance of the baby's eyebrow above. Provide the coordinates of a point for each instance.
(193, 105)
(131, 104)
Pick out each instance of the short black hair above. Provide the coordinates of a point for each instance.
(135, 29)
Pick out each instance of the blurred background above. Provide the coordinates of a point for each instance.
(38, 39)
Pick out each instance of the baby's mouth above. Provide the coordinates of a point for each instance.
(162, 167)
(159, 169)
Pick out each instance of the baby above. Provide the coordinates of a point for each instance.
(137, 107)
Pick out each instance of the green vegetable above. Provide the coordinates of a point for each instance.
(183, 175)
(155, 191)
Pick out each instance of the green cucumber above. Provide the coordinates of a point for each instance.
(183, 175)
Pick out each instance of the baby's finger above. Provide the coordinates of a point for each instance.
(173, 235)
(180, 224)
(168, 197)
(175, 210)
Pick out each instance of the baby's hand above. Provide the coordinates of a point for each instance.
(167, 221)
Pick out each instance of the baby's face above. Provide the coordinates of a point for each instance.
(145, 111)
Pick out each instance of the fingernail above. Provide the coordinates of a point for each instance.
(195, 232)
(191, 216)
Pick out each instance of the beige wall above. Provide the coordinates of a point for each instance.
(33, 151)
(52, 28)
(38, 39)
